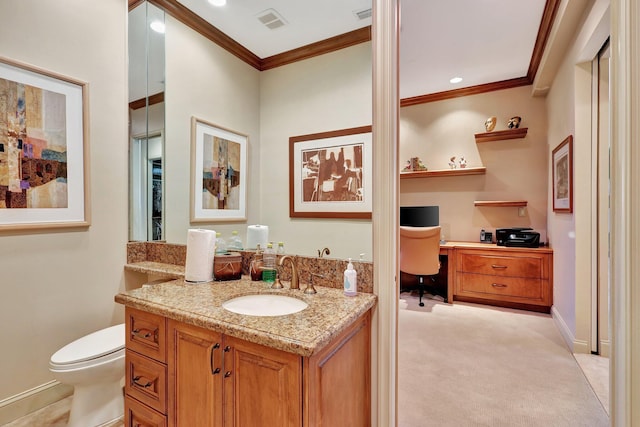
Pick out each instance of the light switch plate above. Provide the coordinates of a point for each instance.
(522, 211)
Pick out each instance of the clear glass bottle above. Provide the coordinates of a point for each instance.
(269, 269)
(280, 250)
(221, 244)
(235, 243)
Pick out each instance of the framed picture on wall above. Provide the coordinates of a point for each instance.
(562, 164)
(218, 173)
(330, 174)
(44, 159)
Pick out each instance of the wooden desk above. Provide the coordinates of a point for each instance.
(499, 275)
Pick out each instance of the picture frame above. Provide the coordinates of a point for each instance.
(44, 149)
(218, 173)
(331, 174)
(562, 165)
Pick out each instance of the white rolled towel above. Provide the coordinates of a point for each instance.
(201, 247)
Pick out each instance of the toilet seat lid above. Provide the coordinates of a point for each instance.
(92, 346)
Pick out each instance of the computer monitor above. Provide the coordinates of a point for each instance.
(420, 216)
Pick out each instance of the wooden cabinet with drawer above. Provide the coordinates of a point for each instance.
(508, 277)
(146, 369)
(185, 375)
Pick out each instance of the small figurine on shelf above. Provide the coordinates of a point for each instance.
(514, 122)
(452, 162)
(417, 165)
(463, 162)
(414, 164)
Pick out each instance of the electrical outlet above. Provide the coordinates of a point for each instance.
(522, 211)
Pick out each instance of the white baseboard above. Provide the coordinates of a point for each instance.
(31, 400)
(605, 348)
(566, 334)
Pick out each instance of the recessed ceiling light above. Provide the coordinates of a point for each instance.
(157, 26)
(455, 80)
(218, 2)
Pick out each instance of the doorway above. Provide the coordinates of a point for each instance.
(147, 212)
(600, 343)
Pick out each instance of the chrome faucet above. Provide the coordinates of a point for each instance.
(295, 282)
(324, 251)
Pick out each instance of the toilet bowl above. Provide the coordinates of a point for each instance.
(94, 366)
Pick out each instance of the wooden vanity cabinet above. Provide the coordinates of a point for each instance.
(219, 380)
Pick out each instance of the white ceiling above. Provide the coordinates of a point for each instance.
(482, 41)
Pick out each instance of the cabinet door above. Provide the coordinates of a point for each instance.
(195, 376)
(338, 379)
(262, 386)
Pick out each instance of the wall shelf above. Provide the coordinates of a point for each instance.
(444, 172)
(501, 135)
(500, 203)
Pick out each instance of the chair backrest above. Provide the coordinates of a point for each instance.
(420, 250)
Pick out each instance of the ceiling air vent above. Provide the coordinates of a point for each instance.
(363, 14)
(271, 19)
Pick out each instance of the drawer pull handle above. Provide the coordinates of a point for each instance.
(227, 374)
(498, 266)
(146, 385)
(142, 333)
(498, 285)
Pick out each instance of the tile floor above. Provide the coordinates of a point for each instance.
(54, 415)
(596, 369)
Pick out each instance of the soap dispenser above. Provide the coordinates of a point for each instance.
(350, 280)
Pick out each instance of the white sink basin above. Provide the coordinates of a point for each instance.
(264, 305)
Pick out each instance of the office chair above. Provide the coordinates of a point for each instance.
(419, 254)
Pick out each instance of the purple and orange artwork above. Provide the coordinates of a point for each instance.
(33, 148)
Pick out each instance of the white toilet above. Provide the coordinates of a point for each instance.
(94, 365)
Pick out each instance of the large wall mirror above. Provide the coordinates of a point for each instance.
(146, 122)
(233, 88)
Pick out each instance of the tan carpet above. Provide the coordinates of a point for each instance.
(474, 365)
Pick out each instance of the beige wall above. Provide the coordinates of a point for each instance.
(320, 94)
(59, 285)
(516, 168)
(569, 112)
(207, 82)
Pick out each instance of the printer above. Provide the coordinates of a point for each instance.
(520, 237)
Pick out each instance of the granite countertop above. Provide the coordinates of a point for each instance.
(157, 269)
(303, 333)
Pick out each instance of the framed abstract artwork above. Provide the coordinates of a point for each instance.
(330, 174)
(44, 159)
(562, 159)
(218, 173)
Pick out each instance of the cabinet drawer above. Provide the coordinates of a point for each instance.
(484, 286)
(138, 415)
(146, 380)
(146, 333)
(511, 266)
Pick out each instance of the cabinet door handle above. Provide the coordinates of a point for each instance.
(226, 349)
(136, 381)
(212, 359)
(498, 266)
(498, 285)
